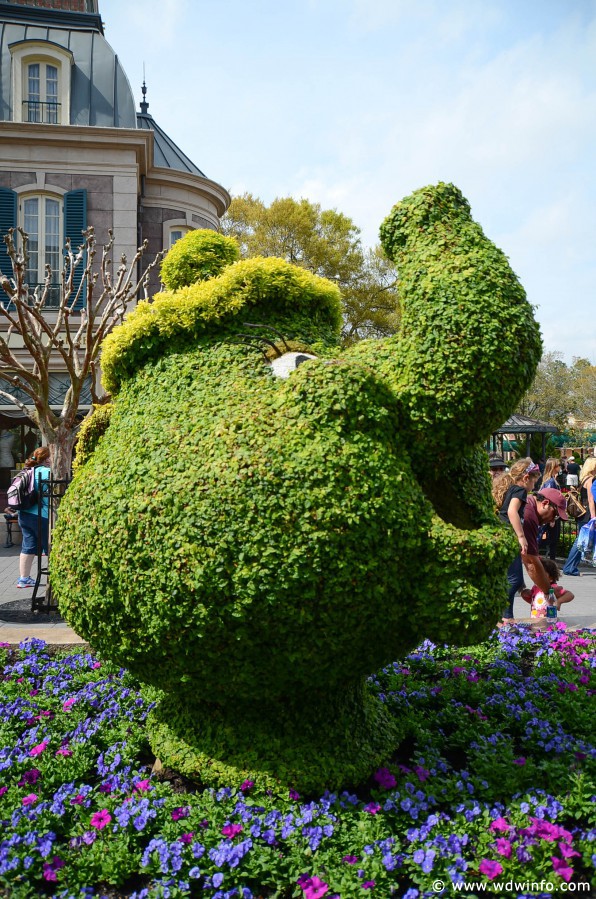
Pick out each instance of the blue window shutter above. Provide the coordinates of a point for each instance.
(75, 222)
(8, 219)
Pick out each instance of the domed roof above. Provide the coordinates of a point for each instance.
(166, 154)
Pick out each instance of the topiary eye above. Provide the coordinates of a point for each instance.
(289, 362)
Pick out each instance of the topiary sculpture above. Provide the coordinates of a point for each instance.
(256, 545)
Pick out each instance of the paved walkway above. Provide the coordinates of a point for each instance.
(577, 614)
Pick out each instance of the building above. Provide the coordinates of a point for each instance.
(74, 152)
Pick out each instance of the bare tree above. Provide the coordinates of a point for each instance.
(66, 337)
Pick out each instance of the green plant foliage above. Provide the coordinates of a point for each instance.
(255, 546)
(198, 256)
(92, 429)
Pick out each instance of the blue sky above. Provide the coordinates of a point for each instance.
(355, 103)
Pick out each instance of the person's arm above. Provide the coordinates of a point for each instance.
(516, 523)
(591, 500)
(536, 571)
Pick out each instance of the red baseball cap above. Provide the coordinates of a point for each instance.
(557, 499)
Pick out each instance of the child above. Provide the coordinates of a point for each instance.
(536, 597)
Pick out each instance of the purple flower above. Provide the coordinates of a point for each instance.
(180, 812)
(30, 777)
(30, 799)
(520, 761)
(247, 785)
(350, 859)
(101, 819)
(372, 808)
(186, 838)
(50, 868)
(368, 885)
(490, 869)
(385, 779)
(500, 825)
(294, 796)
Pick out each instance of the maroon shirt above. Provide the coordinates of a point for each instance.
(531, 526)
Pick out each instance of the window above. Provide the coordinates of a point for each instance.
(41, 82)
(41, 218)
(176, 233)
(42, 103)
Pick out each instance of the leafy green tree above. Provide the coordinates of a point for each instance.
(327, 243)
(563, 395)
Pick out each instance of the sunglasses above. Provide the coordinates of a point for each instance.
(556, 510)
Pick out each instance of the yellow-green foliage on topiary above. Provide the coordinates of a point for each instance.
(90, 432)
(256, 545)
(197, 256)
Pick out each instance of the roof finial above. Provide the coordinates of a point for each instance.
(144, 104)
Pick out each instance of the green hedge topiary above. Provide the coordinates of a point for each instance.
(256, 546)
(197, 256)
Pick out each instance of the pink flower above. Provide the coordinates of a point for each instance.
(312, 887)
(96, 665)
(490, 869)
(231, 830)
(500, 825)
(78, 799)
(503, 847)
(4, 645)
(66, 706)
(3, 790)
(65, 752)
(372, 808)
(30, 799)
(142, 786)
(100, 819)
(562, 868)
(37, 750)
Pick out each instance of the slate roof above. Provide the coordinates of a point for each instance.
(166, 153)
(521, 424)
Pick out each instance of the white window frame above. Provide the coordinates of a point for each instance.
(173, 225)
(41, 197)
(42, 53)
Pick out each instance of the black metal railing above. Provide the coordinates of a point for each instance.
(52, 299)
(50, 493)
(41, 111)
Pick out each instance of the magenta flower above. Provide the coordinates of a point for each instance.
(231, 830)
(65, 752)
(312, 887)
(186, 838)
(246, 786)
(500, 825)
(385, 779)
(294, 796)
(142, 786)
(101, 819)
(96, 665)
(3, 790)
(567, 851)
(520, 761)
(350, 859)
(30, 799)
(180, 812)
(490, 868)
(78, 799)
(66, 706)
(562, 868)
(503, 847)
(372, 808)
(368, 885)
(37, 750)
(50, 868)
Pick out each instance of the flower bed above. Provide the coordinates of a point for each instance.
(493, 784)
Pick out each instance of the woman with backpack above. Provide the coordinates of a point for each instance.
(29, 520)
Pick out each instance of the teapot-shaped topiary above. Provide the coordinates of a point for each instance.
(256, 545)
